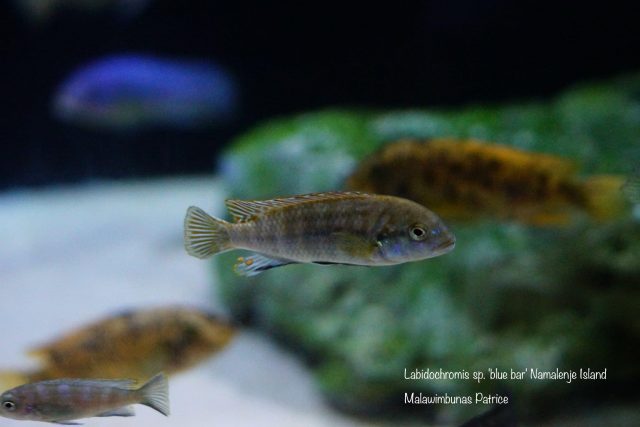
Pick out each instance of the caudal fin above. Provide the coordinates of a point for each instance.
(204, 235)
(155, 394)
(604, 198)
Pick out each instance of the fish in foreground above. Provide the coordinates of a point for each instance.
(322, 228)
(133, 344)
(469, 179)
(64, 400)
(131, 92)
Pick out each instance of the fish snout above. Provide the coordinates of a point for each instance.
(445, 244)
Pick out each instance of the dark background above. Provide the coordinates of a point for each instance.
(292, 58)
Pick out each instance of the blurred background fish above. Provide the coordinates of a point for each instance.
(467, 179)
(134, 344)
(40, 11)
(129, 92)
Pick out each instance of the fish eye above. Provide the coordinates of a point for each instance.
(8, 405)
(418, 232)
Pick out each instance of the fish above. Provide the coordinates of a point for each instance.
(64, 400)
(41, 11)
(466, 180)
(132, 344)
(132, 92)
(322, 228)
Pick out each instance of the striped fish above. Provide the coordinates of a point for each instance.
(322, 228)
(64, 400)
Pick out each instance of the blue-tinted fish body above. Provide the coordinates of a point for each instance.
(134, 91)
(64, 400)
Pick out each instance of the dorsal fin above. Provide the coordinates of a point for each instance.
(245, 210)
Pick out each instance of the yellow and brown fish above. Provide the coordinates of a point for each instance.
(322, 228)
(133, 344)
(467, 179)
(64, 400)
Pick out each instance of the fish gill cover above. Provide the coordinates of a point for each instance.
(511, 295)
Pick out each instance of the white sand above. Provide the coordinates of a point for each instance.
(72, 255)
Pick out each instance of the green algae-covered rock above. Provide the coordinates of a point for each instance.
(509, 297)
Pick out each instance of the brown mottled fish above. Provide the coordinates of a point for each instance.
(469, 179)
(134, 344)
(61, 401)
(322, 228)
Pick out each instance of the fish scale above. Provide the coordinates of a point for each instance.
(301, 231)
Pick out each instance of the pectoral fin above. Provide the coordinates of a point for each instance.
(257, 263)
(67, 423)
(355, 245)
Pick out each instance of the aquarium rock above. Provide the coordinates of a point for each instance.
(510, 297)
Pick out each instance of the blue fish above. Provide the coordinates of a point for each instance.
(130, 92)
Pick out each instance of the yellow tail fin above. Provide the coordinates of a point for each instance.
(604, 198)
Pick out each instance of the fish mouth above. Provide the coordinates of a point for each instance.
(446, 246)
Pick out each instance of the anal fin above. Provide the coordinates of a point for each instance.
(124, 411)
(257, 263)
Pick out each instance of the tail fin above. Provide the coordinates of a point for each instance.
(155, 394)
(604, 198)
(11, 379)
(204, 235)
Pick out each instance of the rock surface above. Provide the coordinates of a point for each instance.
(508, 297)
